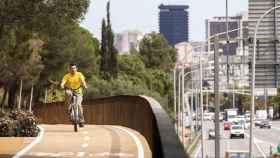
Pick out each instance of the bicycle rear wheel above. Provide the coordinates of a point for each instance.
(75, 121)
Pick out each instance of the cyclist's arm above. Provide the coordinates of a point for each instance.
(62, 85)
(83, 81)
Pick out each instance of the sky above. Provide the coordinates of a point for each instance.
(142, 15)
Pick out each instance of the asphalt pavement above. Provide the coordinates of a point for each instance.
(60, 141)
(265, 140)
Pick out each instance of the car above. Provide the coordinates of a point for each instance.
(245, 124)
(247, 116)
(236, 131)
(211, 134)
(265, 124)
(208, 116)
(227, 125)
(221, 117)
(240, 118)
(258, 122)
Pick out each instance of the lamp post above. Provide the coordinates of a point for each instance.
(201, 91)
(253, 77)
(201, 105)
(175, 99)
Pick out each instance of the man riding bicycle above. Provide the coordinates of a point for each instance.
(72, 82)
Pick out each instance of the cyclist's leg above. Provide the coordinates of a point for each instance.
(68, 97)
(81, 113)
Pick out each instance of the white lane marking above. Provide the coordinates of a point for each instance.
(256, 141)
(85, 132)
(61, 154)
(259, 148)
(197, 151)
(81, 154)
(86, 138)
(136, 140)
(31, 145)
(84, 145)
(114, 154)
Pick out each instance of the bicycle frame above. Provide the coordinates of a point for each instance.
(74, 111)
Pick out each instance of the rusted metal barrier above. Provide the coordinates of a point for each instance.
(143, 114)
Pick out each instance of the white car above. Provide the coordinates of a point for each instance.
(258, 122)
(221, 117)
(237, 131)
(211, 134)
(247, 117)
(240, 118)
(208, 116)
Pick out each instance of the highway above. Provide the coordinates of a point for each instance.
(264, 139)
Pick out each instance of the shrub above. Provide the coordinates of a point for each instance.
(18, 124)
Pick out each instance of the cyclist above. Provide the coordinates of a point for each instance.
(73, 82)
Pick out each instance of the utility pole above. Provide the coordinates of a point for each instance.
(265, 99)
(201, 106)
(179, 106)
(192, 105)
(227, 45)
(175, 97)
(196, 109)
(217, 98)
(183, 105)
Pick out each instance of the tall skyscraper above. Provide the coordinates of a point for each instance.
(174, 23)
(267, 47)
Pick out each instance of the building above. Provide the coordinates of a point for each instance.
(128, 40)
(184, 50)
(237, 23)
(234, 66)
(267, 49)
(174, 23)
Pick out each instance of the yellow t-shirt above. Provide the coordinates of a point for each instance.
(74, 81)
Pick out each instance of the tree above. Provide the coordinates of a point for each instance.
(104, 68)
(113, 51)
(156, 53)
(109, 64)
(24, 36)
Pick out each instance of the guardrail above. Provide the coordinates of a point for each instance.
(141, 113)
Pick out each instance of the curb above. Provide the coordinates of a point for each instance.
(31, 145)
(193, 145)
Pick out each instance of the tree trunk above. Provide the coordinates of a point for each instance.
(12, 95)
(37, 93)
(4, 97)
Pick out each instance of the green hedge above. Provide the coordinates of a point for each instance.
(18, 124)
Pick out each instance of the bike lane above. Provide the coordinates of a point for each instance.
(90, 141)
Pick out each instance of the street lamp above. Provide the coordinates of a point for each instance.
(253, 77)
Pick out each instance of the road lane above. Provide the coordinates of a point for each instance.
(226, 144)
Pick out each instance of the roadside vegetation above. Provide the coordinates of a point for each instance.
(40, 38)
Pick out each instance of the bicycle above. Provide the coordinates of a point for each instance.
(74, 111)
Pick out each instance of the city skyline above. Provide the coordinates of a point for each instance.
(129, 15)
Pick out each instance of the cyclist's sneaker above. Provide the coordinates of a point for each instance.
(81, 125)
